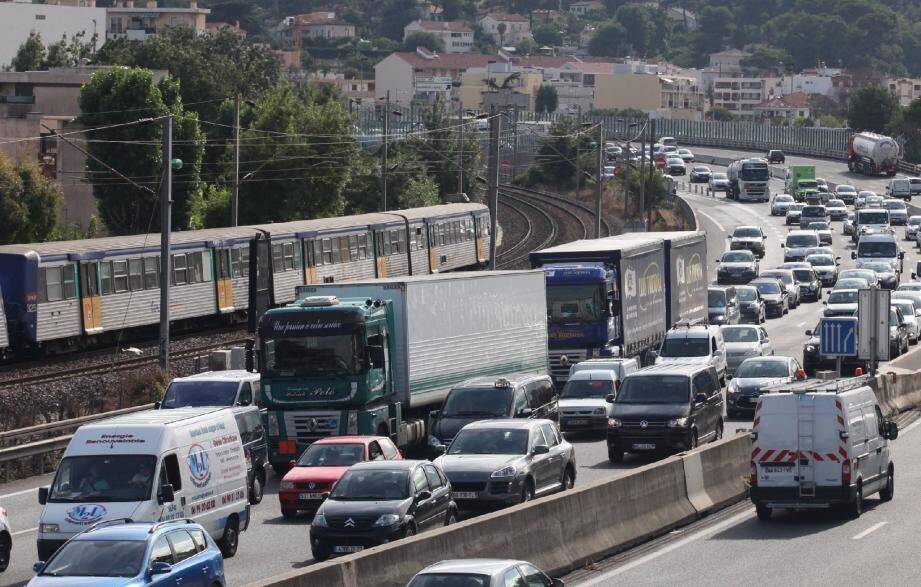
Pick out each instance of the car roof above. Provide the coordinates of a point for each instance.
(514, 380)
(746, 226)
(228, 375)
(697, 331)
(388, 465)
(686, 369)
(593, 375)
(515, 423)
(485, 566)
(769, 358)
(846, 290)
(877, 237)
(119, 529)
(352, 439)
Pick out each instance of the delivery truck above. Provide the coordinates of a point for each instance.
(376, 356)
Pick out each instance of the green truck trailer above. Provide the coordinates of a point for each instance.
(801, 182)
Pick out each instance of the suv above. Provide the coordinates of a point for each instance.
(255, 449)
(687, 343)
(813, 213)
(776, 156)
(665, 408)
(748, 237)
(234, 387)
(139, 553)
(722, 305)
(504, 462)
(521, 395)
(582, 400)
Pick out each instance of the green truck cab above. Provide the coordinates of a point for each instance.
(801, 182)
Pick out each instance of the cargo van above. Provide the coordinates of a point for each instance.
(186, 463)
(234, 387)
(820, 444)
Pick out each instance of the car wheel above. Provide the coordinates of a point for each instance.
(231, 538)
(719, 430)
(888, 491)
(856, 508)
(320, 554)
(288, 513)
(6, 546)
(451, 518)
(527, 492)
(256, 490)
(569, 479)
(615, 456)
(763, 511)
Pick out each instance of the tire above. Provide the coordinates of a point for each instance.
(527, 492)
(410, 531)
(719, 430)
(6, 546)
(569, 479)
(888, 492)
(320, 555)
(288, 513)
(615, 456)
(231, 538)
(856, 508)
(256, 491)
(451, 518)
(763, 511)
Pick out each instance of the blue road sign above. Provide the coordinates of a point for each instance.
(838, 337)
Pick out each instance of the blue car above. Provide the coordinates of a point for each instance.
(124, 553)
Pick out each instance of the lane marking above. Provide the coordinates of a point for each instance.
(606, 576)
(869, 531)
(24, 531)
(711, 219)
(803, 323)
(910, 427)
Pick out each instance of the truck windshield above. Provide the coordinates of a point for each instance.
(97, 558)
(182, 394)
(337, 354)
(654, 389)
(478, 401)
(101, 478)
(754, 173)
(584, 388)
(882, 249)
(679, 346)
(807, 184)
(568, 303)
(490, 441)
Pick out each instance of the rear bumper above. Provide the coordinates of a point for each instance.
(789, 497)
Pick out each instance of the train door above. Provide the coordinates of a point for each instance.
(311, 254)
(481, 230)
(89, 297)
(223, 280)
(382, 246)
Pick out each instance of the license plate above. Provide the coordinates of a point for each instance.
(347, 549)
(464, 494)
(578, 422)
(310, 496)
(777, 468)
(643, 446)
(753, 400)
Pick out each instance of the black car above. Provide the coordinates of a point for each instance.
(776, 156)
(700, 174)
(665, 408)
(775, 295)
(738, 266)
(751, 305)
(810, 285)
(255, 449)
(380, 501)
(722, 305)
(814, 361)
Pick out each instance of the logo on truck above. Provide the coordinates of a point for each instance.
(85, 514)
(199, 466)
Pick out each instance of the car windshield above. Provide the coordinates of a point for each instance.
(747, 294)
(183, 394)
(835, 204)
(372, 485)
(876, 249)
(751, 369)
(807, 184)
(895, 205)
(332, 455)
(675, 161)
(103, 478)
(452, 580)
(914, 220)
(575, 303)
(815, 211)
(681, 346)
(908, 309)
(801, 241)
(716, 299)
(701, 168)
(748, 232)
(783, 199)
(873, 217)
(585, 388)
(738, 257)
(335, 354)
(859, 273)
(768, 287)
(490, 441)
(804, 275)
(478, 401)
(820, 260)
(846, 189)
(740, 334)
(909, 287)
(97, 558)
(784, 277)
(654, 389)
(842, 297)
(894, 317)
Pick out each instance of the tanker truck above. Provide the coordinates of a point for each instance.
(749, 180)
(872, 154)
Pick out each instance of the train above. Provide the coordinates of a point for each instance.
(73, 295)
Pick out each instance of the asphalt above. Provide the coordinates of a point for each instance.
(273, 545)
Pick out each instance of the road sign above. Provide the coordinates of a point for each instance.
(838, 337)
(873, 315)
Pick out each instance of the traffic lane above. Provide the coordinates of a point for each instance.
(20, 499)
(796, 548)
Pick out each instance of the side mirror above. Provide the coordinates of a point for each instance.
(653, 355)
(157, 404)
(901, 254)
(540, 449)
(782, 245)
(718, 261)
(434, 414)
(853, 254)
(424, 495)
(37, 567)
(160, 568)
(292, 463)
(913, 276)
(609, 398)
(525, 412)
(891, 429)
(325, 495)
(166, 494)
(729, 236)
(700, 398)
(42, 495)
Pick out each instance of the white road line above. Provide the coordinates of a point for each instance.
(23, 492)
(803, 323)
(869, 531)
(712, 219)
(911, 427)
(606, 576)
(25, 531)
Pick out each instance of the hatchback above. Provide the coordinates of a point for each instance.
(483, 572)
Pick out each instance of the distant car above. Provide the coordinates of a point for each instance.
(794, 213)
(686, 155)
(750, 238)
(700, 174)
(319, 467)
(676, 166)
(846, 193)
(911, 320)
(786, 277)
(841, 302)
(866, 274)
(898, 333)
(776, 156)
(722, 305)
(847, 227)
(780, 204)
(609, 172)
(825, 267)
(751, 305)
(912, 227)
(752, 375)
(583, 400)
(873, 202)
(822, 184)
(860, 200)
(483, 572)
(850, 283)
(836, 209)
(234, 387)
(719, 182)
(823, 230)
(898, 212)
(122, 552)
(810, 285)
(743, 341)
(736, 267)
(6, 540)
(775, 296)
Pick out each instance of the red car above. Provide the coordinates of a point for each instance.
(313, 475)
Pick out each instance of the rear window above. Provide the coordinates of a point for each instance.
(814, 211)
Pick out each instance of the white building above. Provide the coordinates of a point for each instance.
(585, 7)
(52, 22)
(456, 36)
(730, 59)
(738, 93)
(515, 28)
(906, 90)
(813, 81)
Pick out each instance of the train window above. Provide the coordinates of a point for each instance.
(120, 274)
(105, 271)
(419, 238)
(344, 249)
(136, 274)
(397, 242)
(353, 247)
(278, 260)
(151, 273)
(205, 260)
(53, 290)
(70, 285)
(180, 271)
(363, 240)
(383, 244)
(194, 263)
(239, 262)
(327, 251)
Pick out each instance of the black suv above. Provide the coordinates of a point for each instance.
(255, 448)
(380, 501)
(776, 156)
(665, 408)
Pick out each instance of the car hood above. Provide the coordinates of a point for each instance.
(315, 474)
(77, 517)
(741, 347)
(86, 581)
(448, 427)
(718, 180)
(589, 402)
(693, 360)
(333, 507)
(635, 412)
(841, 307)
(746, 239)
(475, 463)
(771, 297)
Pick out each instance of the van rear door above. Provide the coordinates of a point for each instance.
(775, 451)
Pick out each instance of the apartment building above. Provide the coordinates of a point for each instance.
(507, 30)
(51, 21)
(126, 20)
(783, 108)
(739, 93)
(906, 90)
(455, 35)
(315, 25)
(670, 97)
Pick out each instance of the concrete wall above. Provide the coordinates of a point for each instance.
(628, 91)
(17, 20)
(396, 75)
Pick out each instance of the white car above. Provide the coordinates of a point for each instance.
(836, 209)
(908, 315)
(6, 540)
(912, 226)
(719, 182)
(780, 204)
(608, 172)
(744, 341)
(686, 155)
(841, 302)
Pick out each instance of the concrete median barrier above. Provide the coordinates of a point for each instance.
(558, 533)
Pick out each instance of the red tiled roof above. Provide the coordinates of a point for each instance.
(794, 100)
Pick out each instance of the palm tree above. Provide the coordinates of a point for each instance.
(500, 28)
(506, 83)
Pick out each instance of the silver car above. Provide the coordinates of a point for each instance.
(744, 341)
(908, 314)
(786, 277)
(482, 572)
(837, 209)
(841, 302)
(780, 204)
(719, 182)
(912, 226)
(898, 212)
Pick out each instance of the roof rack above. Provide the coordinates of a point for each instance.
(688, 323)
(821, 385)
(159, 525)
(111, 522)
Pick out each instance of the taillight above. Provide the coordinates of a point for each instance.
(846, 471)
(753, 480)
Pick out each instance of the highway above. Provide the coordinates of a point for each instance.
(276, 545)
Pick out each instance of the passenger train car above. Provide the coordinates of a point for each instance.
(61, 295)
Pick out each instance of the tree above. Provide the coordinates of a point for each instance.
(547, 35)
(526, 46)
(500, 28)
(547, 99)
(871, 108)
(608, 40)
(427, 40)
(30, 55)
(33, 55)
(721, 115)
(120, 96)
(28, 204)
(766, 57)
(639, 27)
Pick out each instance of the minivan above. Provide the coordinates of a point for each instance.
(813, 213)
(687, 343)
(723, 305)
(899, 188)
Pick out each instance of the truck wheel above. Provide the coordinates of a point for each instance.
(231, 538)
(763, 511)
(885, 494)
(615, 456)
(856, 508)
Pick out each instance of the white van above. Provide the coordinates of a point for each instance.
(691, 343)
(819, 444)
(899, 188)
(235, 387)
(149, 466)
(620, 366)
(669, 142)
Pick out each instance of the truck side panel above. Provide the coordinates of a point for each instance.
(687, 279)
(643, 299)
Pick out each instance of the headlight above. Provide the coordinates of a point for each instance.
(273, 424)
(599, 411)
(508, 471)
(286, 485)
(719, 318)
(319, 521)
(679, 422)
(49, 528)
(614, 423)
(810, 348)
(387, 520)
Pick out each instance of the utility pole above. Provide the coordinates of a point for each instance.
(166, 202)
(460, 146)
(386, 139)
(643, 179)
(599, 175)
(515, 144)
(235, 202)
(495, 128)
(652, 167)
(578, 150)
